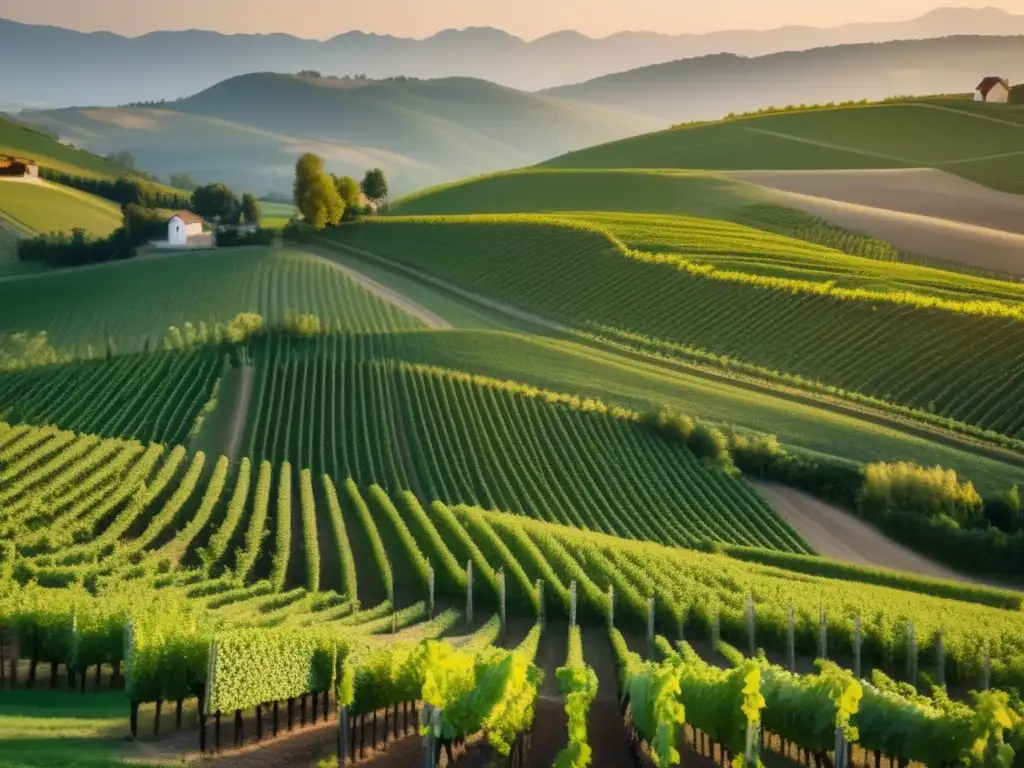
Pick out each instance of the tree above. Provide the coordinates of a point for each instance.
(182, 181)
(251, 213)
(348, 189)
(316, 197)
(124, 159)
(216, 201)
(375, 185)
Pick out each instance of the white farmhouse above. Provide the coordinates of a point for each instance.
(184, 226)
(993, 89)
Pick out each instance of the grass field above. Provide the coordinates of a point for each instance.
(660, 207)
(49, 208)
(865, 342)
(24, 142)
(131, 305)
(319, 402)
(959, 140)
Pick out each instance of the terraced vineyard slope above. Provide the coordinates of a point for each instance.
(921, 133)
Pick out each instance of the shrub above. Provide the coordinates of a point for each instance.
(930, 492)
(230, 238)
(1003, 510)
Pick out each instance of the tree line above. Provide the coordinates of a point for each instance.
(124, 191)
(324, 199)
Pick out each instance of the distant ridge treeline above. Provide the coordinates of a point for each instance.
(125, 191)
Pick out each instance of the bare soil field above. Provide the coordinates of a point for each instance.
(920, 191)
(837, 534)
(923, 211)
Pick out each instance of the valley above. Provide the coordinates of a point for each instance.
(347, 420)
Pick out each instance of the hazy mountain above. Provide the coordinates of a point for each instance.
(58, 67)
(249, 130)
(709, 87)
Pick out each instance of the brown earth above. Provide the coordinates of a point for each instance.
(924, 211)
(835, 533)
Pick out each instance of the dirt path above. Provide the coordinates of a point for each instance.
(948, 240)
(243, 396)
(922, 191)
(837, 534)
(606, 729)
(389, 295)
(452, 288)
(827, 145)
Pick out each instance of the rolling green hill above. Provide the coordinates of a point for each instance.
(25, 142)
(689, 302)
(249, 130)
(983, 143)
(31, 208)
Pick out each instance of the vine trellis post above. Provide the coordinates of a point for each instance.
(611, 606)
(940, 659)
(501, 602)
(856, 646)
(751, 625)
(650, 620)
(572, 604)
(430, 587)
(822, 634)
(911, 653)
(540, 602)
(791, 640)
(469, 594)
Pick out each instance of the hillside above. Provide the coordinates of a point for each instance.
(27, 208)
(709, 87)
(87, 68)
(248, 131)
(22, 141)
(977, 142)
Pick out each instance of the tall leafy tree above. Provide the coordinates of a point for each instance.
(316, 196)
(348, 189)
(375, 185)
(216, 201)
(251, 213)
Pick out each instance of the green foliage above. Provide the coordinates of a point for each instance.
(349, 581)
(807, 709)
(309, 535)
(216, 202)
(282, 528)
(349, 191)
(258, 666)
(315, 195)
(578, 684)
(250, 208)
(375, 185)
(652, 690)
(932, 492)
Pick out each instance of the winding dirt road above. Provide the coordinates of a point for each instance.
(839, 535)
(923, 210)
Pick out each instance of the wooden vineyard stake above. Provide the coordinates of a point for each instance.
(540, 602)
(911, 654)
(791, 641)
(650, 621)
(986, 668)
(430, 588)
(822, 634)
(342, 734)
(469, 594)
(940, 659)
(501, 603)
(611, 606)
(751, 626)
(572, 604)
(856, 646)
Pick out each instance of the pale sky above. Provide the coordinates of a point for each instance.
(420, 18)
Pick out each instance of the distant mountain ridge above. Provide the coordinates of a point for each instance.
(60, 67)
(709, 87)
(249, 130)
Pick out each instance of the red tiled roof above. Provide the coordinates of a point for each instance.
(989, 83)
(187, 217)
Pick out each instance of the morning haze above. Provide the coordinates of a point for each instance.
(320, 19)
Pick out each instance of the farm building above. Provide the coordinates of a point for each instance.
(993, 89)
(13, 166)
(186, 229)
